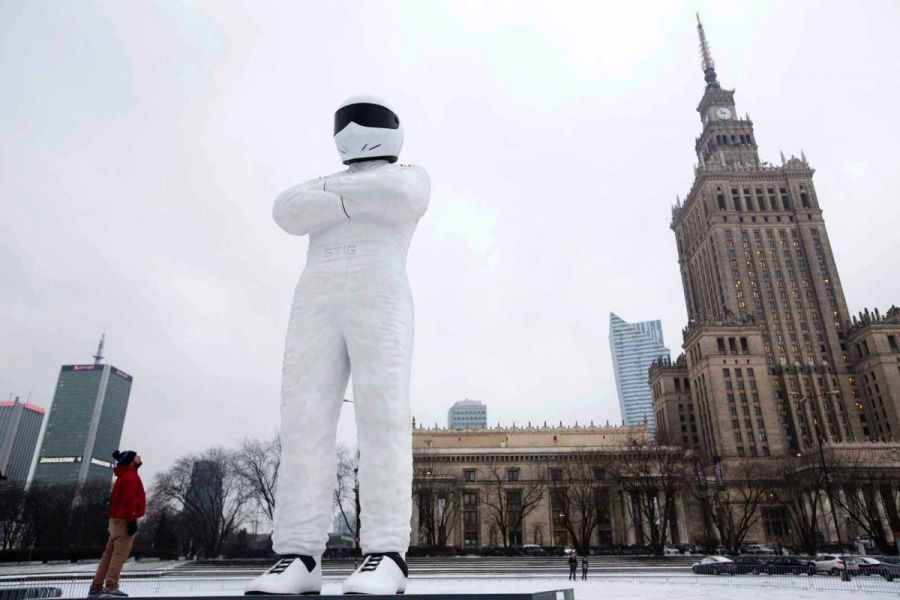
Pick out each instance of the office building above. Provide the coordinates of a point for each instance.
(85, 423)
(20, 429)
(634, 347)
(467, 414)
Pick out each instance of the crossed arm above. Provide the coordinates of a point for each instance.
(390, 193)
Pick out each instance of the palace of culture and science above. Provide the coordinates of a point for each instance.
(777, 381)
(770, 347)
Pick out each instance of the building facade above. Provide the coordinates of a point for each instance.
(874, 344)
(20, 430)
(85, 424)
(535, 485)
(634, 347)
(467, 414)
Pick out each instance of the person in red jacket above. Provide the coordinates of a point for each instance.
(127, 505)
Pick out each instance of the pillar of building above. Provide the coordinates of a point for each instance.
(414, 538)
(826, 518)
(627, 519)
(681, 515)
(886, 532)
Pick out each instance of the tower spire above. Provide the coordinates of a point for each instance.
(99, 356)
(709, 66)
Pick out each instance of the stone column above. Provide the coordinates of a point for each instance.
(681, 515)
(414, 522)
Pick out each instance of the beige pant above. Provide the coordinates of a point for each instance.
(114, 556)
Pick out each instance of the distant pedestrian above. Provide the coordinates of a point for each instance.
(573, 566)
(127, 505)
(584, 567)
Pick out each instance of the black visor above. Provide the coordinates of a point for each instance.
(367, 115)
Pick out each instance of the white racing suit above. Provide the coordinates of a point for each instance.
(352, 311)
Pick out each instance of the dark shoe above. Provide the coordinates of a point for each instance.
(96, 592)
(113, 594)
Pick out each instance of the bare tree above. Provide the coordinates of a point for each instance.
(650, 477)
(578, 499)
(857, 494)
(208, 493)
(160, 532)
(46, 513)
(256, 467)
(436, 492)
(735, 508)
(89, 517)
(12, 522)
(346, 492)
(508, 501)
(800, 491)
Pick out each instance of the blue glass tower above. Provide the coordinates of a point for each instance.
(634, 346)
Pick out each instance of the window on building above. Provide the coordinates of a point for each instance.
(469, 475)
(556, 474)
(512, 474)
(470, 519)
(776, 520)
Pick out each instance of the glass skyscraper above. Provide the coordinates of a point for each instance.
(634, 346)
(20, 429)
(85, 424)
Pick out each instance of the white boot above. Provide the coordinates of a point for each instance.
(290, 575)
(379, 574)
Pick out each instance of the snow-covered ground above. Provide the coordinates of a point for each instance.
(603, 589)
(67, 568)
(711, 588)
(160, 578)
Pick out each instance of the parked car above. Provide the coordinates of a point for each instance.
(532, 550)
(784, 565)
(890, 567)
(868, 565)
(833, 565)
(757, 549)
(491, 551)
(668, 550)
(714, 565)
(749, 564)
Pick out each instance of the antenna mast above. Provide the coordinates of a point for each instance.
(99, 356)
(707, 62)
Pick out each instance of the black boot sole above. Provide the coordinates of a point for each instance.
(270, 594)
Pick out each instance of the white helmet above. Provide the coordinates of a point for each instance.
(365, 128)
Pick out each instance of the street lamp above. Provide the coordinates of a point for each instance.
(845, 576)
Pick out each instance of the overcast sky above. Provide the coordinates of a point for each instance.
(143, 144)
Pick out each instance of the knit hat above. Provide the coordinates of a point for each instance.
(123, 459)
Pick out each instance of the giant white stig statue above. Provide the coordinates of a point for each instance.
(352, 312)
